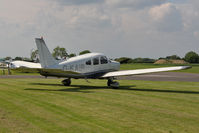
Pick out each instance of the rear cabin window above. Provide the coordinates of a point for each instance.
(88, 62)
(103, 60)
(96, 61)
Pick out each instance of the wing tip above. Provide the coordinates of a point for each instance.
(186, 67)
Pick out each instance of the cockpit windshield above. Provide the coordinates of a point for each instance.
(103, 60)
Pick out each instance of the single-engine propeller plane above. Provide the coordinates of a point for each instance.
(23, 64)
(88, 66)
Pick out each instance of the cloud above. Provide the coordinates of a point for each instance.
(79, 2)
(115, 27)
(134, 4)
(166, 17)
(20, 12)
(196, 34)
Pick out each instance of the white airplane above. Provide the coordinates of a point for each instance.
(88, 66)
(23, 64)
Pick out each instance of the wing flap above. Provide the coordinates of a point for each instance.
(143, 71)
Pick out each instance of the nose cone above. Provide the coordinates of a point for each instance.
(115, 65)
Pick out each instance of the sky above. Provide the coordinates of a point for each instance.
(117, 28)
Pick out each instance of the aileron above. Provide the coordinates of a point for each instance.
(143, 71)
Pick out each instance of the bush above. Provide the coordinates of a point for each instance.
(124, 60)
(71, 55)
(192, 57)
(84, 52)
(173, 57)
(18, 58)
(143, 60)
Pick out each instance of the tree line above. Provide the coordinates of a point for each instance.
(60, 53)
(191, 57)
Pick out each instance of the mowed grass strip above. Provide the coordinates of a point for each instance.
(44, 105)
(132, 66)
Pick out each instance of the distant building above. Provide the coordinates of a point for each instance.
(2, 63)
(1, 60)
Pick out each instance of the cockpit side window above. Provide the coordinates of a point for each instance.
(96, 61)
(88, 62)
(103, 60)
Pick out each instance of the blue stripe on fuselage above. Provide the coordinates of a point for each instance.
(97, 74)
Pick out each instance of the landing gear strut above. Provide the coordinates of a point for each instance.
(66, 82)
(113, 84)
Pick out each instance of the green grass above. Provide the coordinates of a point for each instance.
(44, 105)
(194, 69)
(17, 73)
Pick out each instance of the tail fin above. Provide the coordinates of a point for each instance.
(46, 59)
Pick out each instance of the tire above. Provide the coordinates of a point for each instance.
(109, 82)
(66, 82)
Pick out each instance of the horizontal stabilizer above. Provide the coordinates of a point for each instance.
(43, 70)
(58, 71)
(25, 70)
(143, 71)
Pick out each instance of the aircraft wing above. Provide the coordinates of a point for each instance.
(142, 71)
(23, 64)
(43, 70)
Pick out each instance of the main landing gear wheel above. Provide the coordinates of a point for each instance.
(66, 82)
(113, 84)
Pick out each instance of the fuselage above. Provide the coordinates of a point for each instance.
(92, 65)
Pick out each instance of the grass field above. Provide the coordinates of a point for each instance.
(194, 69)
(44, 105)
(16, 72)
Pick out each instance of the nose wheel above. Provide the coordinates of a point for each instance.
(113, 84)
(66, 82)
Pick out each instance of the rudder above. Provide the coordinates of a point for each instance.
(46, 59)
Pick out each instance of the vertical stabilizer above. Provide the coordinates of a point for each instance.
(46, 59)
